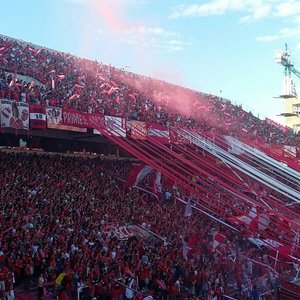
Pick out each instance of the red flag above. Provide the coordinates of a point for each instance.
(78, 86)
(75, 96)
(133, 175)
(31, 49)
(132, 97)
(112, 90)
(249, 220)
(158, 133)
(114, 84)
(283, 249)
(137, 174)
(99, 75)
(37, 116)
(219, 238)
(129, 272)
(61, 77)
(169, 183)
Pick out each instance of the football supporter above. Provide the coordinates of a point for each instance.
(65, 228)
(43, 76)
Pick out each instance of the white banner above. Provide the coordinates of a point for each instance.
(235, 146)
(115, 126)
(14, 114)
(124, 233)
(54, 116)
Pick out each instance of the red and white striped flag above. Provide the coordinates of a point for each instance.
(137, 174)
(61, 77)
(219, 238)
(250, 220)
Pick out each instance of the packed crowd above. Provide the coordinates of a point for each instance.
(60, 79)
(56, 215)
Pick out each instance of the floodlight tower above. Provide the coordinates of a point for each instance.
(292, 104)
(283, 58)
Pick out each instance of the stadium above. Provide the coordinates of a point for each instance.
(112, 189)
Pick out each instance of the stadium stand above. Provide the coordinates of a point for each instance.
(77, 227)
(56, 227)
(61, 79)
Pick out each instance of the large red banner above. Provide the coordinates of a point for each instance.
(80, 119)
(37, 116)
(55, 121)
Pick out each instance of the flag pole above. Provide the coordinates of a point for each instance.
(209, 215)
(275, 264)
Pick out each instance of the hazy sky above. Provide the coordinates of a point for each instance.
(222, 47)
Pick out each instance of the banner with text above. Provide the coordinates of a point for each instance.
(55, 121)
(37, 116)
(80, 119)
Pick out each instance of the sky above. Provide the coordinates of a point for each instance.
(221, 47)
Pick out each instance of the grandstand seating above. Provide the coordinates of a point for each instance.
(52, 221)
(73, 213)
(65, 80)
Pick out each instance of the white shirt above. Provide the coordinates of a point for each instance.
(129, 292)
(23, 97)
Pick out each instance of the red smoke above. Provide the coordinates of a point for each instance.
(111, 13)
(172, 98)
